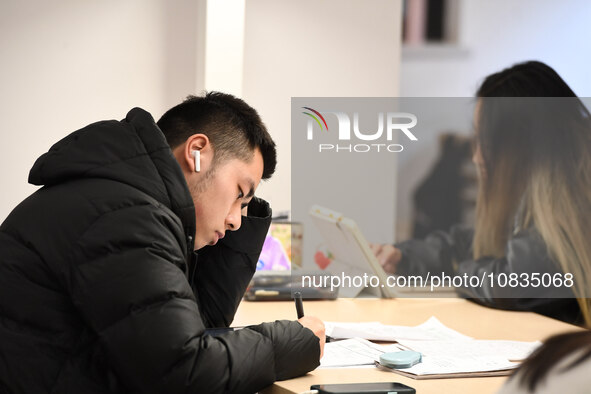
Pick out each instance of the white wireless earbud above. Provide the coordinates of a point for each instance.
(197, 156)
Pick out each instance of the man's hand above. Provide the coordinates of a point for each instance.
(388, 256)
(317, 327)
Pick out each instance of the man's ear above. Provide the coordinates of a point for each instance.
(185, 153)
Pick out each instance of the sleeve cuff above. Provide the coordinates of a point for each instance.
(253, 230)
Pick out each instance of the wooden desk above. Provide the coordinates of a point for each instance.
(461, 315)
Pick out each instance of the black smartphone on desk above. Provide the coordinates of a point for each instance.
(357, 388)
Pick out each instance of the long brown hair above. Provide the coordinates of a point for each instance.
(535, 140)
(534, 370)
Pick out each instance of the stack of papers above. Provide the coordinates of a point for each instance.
(353, 352)
(446, 352)
(439, 367)
(430, 330)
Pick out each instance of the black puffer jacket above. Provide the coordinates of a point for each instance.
(526, 254)
(94, 289)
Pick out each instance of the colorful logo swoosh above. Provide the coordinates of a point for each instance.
(315, 118)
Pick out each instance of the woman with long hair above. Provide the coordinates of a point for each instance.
(533, 212)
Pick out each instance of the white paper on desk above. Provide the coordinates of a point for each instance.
(430, 330)
(353, 352)
(437, 330)
(508, 350)
(440, 364)
(351, 330)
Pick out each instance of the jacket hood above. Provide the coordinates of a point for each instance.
(132, 151)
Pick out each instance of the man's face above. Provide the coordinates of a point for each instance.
(220, 193)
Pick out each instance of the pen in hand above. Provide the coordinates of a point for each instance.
(297, 296)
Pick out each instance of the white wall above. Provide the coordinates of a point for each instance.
(67, 63)
(329, 48)
(312, 48)
(496, 34)
(223, 55)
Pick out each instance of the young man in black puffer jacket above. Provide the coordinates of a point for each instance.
(142, 236)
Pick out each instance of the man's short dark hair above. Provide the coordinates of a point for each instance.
(234, 128)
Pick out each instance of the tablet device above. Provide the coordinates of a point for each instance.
(352, 255)
(354, 258)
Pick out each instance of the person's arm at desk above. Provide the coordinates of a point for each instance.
(222, 275)
(223, 271)
(433, 254)
(152, 337)
(451, 253)
(525, 257)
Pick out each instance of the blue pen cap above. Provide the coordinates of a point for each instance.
(400, 360)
